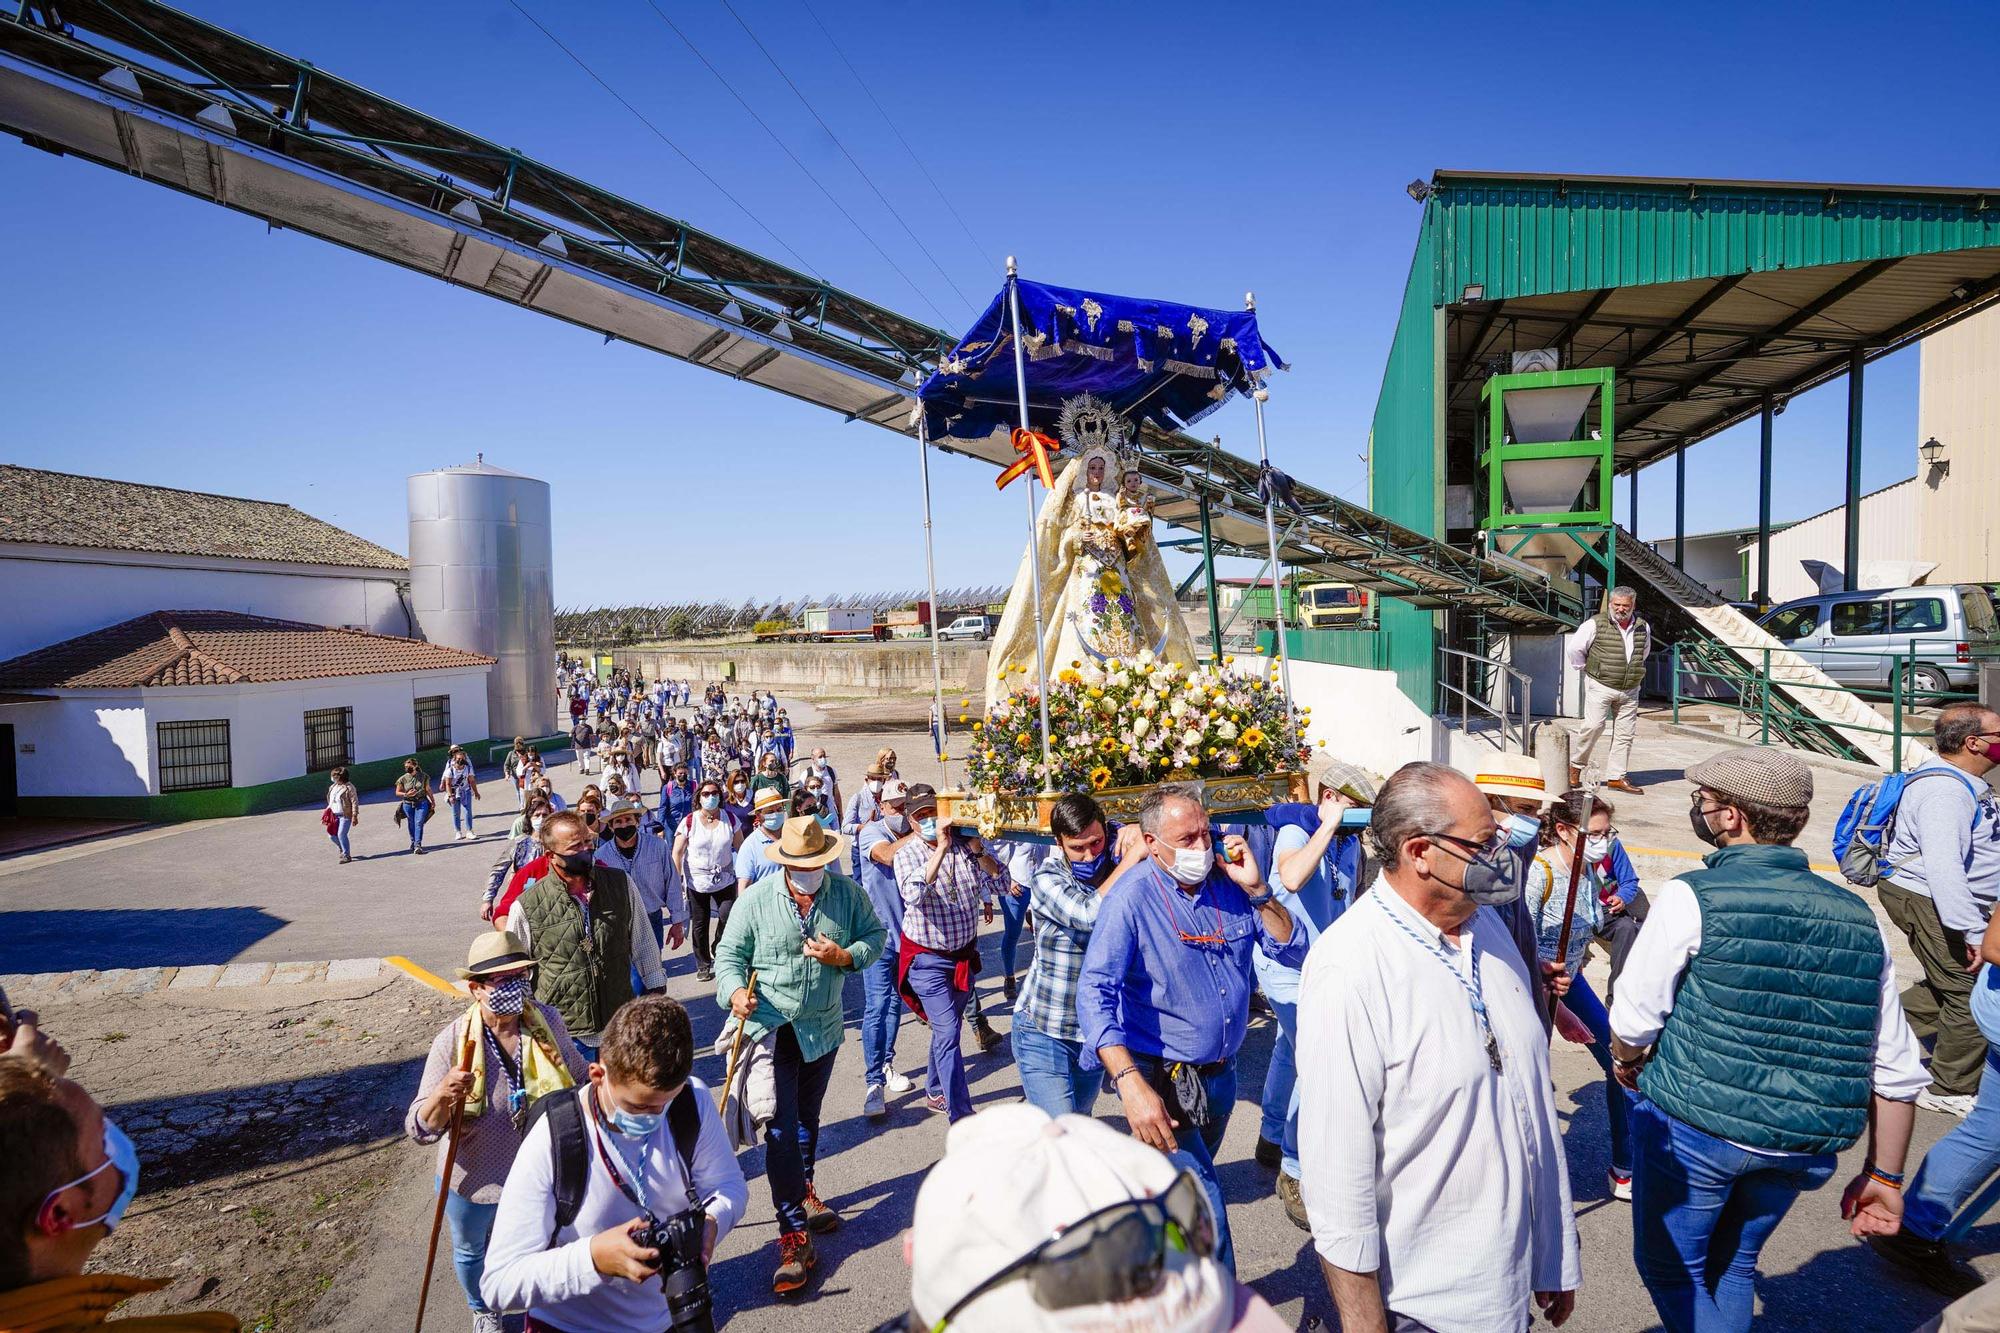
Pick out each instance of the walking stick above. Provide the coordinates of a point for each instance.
(1569, 903)
(735, 1048)
(444, 1176)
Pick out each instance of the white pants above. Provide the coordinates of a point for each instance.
(1602, 704)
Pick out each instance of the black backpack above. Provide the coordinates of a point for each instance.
(569, 1144)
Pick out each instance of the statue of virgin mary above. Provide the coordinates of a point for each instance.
(1105, 591)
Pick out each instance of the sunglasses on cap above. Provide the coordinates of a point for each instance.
(1117, 1253)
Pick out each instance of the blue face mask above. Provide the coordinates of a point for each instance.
(1522, 830)
(927, 829)
(711, 803)
(1090, 871)
(119, 1155)
(772, 823)
(633, 1124)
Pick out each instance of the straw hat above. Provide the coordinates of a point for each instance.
(768, 798)
(1515, 776)
(494, 951)
(805, 845)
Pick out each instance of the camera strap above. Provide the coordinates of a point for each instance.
(683, 1124)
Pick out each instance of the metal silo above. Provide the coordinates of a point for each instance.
(481, 578)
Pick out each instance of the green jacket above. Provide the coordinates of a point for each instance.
(764, 934)
(585, 986)
(1605, 662)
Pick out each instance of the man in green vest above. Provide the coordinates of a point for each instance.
(587, 930)
(1758, 1020)
(1610, 649)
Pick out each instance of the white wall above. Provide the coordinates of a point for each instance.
(77, 592)
(1366, 719)
(1889, 520)
(91, 743)
(1956, 404)
(1715, 561)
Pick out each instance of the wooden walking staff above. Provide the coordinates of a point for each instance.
(444, 1176)
(1575, 875)
(735, 1047)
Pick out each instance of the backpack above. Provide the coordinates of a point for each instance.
(569, 1145)
(1868, 822)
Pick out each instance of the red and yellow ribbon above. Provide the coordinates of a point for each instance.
(1035, 449)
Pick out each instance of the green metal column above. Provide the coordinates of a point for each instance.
(1764, 507)
(1680, 507)
(1851, 556)
(1208, 580)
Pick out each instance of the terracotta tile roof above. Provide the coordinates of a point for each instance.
(62, 509)
(221, 648)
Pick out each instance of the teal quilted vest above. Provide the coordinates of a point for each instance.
(1771, 1042)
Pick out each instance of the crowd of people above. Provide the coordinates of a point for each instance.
(1416, 942)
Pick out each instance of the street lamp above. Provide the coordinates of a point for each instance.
(1932, 452)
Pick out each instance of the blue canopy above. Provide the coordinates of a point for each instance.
(1151, 360)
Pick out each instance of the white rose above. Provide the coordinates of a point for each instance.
(1192, 740)
(1140, 724)
(1178, 708)
(1225, 730)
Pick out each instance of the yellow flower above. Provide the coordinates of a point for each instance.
(989, 755)
(1112, 665)
(1164, 761)
(965, 703)
(1253, 736)
(965, 717)
(1095, 693)
(1109, 583)
(979, 726)
(1107, 745)
(1024, 740)
(1322, 745)
(1100, 778)
(1229, 661)
(1069, 677)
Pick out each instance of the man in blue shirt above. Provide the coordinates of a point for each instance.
(1164, 998)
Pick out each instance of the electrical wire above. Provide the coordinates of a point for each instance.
(741, 101)
(984, 252)
(661, 135)
(852, 160)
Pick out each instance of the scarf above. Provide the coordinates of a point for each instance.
(542, 1069)
(84, 1301)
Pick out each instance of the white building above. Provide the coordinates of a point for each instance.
(1891, 546)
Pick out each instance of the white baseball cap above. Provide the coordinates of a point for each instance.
(972, 1221)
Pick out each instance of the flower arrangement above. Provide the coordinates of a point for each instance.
(1129, 723)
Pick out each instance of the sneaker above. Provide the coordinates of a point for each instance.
(345, 859)
(820, 1219)
(1295, 1204)
(1958, 1104)
(704, 974)
(1928, 1261)
(796, 1258)
(936, 1103)
(896, 1083)
(1621, 1187)
(874, 1105)
(418, 850)
(1270, 1156)
(987, 1037)
(485, 1321)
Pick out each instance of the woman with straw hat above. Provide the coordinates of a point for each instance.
(499, 1057)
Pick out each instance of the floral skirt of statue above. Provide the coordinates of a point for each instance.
(1100, 618)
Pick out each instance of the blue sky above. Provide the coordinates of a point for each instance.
(1183, 151)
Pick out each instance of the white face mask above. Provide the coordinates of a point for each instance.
(807, 881)
(1192, 864)
(1597, 848)
(874, 786)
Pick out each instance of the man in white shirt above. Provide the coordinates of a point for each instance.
(647, 861)
(1610, 650)
(589, 1273)
(1431, 1157)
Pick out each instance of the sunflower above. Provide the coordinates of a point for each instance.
(1100, 778)
(1107, 745)
(1253, 736)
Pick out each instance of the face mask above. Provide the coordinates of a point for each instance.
(1091, 870)
(119, 1154)
(1522, 830)
(1192, 864)
(772, 823)
(536, 823)
(573, 864)
(590, 818)
(897, 824)
(1493, 883)
(1596, 849)
(927, 829)
(807, 881)
(711, 802)
(633, 1124)
(509, 996)
(625, 836)
(1700, 823)
(874, 786)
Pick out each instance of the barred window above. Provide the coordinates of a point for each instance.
(194, 755)
(433, 721)
(329, 738)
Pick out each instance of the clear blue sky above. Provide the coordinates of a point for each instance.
(1173, 150)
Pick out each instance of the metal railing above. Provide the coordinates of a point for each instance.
(1751, 692)
(1475, 689)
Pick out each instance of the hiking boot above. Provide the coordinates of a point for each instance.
(1270, 1156)
(796, 1258)
(1295, 1204)
(896, 1083)
(874, 1104)
(1928, 1261)
(987, 1037)
(820, 1219)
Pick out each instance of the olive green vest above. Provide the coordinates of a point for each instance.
(1771, 1042)
(1606, 662)
(585, 986)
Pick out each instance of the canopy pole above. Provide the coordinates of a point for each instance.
(1680, 506)
(1763, 598)
(1208, 577)
(930, 583)
(1851, 543)
(1035, 560)
(1277, 595)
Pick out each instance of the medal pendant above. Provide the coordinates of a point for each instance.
(1493, 1052)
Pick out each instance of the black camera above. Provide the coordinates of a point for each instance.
(683, 1275)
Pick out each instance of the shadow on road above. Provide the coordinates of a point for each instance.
(54, 941)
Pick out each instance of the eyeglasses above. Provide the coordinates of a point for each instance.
(1493, 846)
(1114, 1254)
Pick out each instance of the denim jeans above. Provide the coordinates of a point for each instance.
(461, 813)
(1013, 913)
(343, 826)
(944, 1010)
(1583, 1002)
(471, 1225)
(791, 1139)
(1957, 1164)
(1198, 1147)
(414, 815)
(881, 1018)
(1280, 1107)
(1052, 1072)
(1701, 1210)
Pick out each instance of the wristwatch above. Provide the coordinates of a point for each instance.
(1255, 901)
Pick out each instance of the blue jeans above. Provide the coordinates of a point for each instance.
(1198, 1147)
(944, 1009)
(343, 826)
(791, 1139)
(414, 816)
(461, 813)
(881, 1017)
(1701, 1210)
(1957, 1164)
(1583, 1002)
(471, 1225)
(1014, 913)
(1280, 1107)
(1052, 1072)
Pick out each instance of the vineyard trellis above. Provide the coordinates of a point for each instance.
(611, 625)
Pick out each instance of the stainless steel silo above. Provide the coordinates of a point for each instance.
(481, 578)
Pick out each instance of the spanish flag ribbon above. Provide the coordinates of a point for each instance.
(1035, 449)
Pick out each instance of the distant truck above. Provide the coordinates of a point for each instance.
(1323, 604)
(830, 624)
(974, 627)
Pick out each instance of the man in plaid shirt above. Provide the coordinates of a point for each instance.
(1067, 891)
(946, 879)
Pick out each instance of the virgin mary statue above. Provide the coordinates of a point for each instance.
(1105, 591)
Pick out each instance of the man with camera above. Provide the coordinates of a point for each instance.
(621, 1190)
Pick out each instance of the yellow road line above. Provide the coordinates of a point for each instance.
(1827, 868)
(431, 979)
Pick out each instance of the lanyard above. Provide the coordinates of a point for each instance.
(517, 1097)
(1474, 989)
(636, 1191)
(1174, 917)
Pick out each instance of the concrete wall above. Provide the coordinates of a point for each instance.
(1889, 520)
(820, 669)
(1365, 718)
(75, 592)
(1956, 404)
